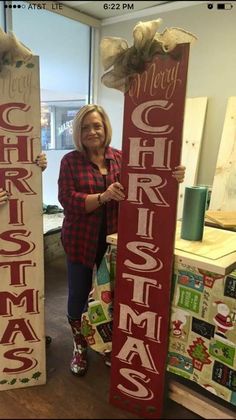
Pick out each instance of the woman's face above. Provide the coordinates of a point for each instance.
(93, 131)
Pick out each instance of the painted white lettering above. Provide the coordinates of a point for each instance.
(141, 286)
(151, 264)
(140, 116)
(145, 223)
(148, 183)
(135, 347)
(160, 151)
(141, 392)
(148, 320)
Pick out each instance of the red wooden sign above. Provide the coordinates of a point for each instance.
(152, 136)
(22, 337)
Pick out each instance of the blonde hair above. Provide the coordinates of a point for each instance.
(78, 121)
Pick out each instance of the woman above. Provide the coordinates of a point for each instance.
(89, 192)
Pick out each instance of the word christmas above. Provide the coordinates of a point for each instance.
(151, 150)
(20, 298)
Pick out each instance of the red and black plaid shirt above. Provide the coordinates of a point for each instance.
(79, 177)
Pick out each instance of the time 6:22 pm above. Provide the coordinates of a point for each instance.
(118, 6)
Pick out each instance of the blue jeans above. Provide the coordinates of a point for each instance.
(79, 285)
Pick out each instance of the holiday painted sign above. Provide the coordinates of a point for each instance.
(152, 136)
(22, 339)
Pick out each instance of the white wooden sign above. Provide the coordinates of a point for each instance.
(194, 120)
(223, 195)
(22, 337)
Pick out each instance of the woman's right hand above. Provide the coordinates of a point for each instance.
(3, 196)
(115, 192)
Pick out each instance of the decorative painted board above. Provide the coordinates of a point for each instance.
(22, 336)
(223, 195)
(152, 138)
(194, 120)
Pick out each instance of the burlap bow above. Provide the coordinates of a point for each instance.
(127, 61)
(12, 50)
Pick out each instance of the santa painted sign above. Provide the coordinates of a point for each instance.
(152, 137)
(22, 339)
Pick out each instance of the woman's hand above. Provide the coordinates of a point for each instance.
(3, 196)
(115, 192)
(41, 161)
(179, 173)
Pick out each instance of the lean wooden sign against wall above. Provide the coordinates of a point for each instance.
(152, 136)
(22, 339)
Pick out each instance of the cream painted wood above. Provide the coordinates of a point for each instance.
(22, 326)
(216, 252)
(197, 402)
(216, 243)
(223, 195)
(226, 219)
(194, 120)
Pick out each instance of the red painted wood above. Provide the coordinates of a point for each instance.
(152, 137)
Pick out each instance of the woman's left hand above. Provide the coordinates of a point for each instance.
(41, 161)
(179, 173)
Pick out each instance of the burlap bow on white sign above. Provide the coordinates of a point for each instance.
(12, 50)
(124, 61)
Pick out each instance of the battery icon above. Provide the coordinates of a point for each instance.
(224, 6)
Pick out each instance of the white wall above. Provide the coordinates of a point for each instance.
(212, 72)
(50, 176)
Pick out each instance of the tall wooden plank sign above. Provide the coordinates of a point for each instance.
(152, 136)
(22, 339)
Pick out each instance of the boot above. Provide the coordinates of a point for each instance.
(107, 357)
(79, 364)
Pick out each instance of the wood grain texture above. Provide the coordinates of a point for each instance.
(194, 120)
(217, 251)
(216, 243)
(225, 219)
(223, 195)
(198, 403)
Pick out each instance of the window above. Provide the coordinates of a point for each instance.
(63, 47)
(56, 123)
(2, 17)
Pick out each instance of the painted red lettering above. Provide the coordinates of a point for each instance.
(17, 177)
(29, 297)
(23, 145)
(18, 326)
(6, 124)
(17, 271)
(26, 362)
(11, 237)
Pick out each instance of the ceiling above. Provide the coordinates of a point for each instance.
(108, 9)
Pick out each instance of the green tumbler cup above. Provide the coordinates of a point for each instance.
(195, 199)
